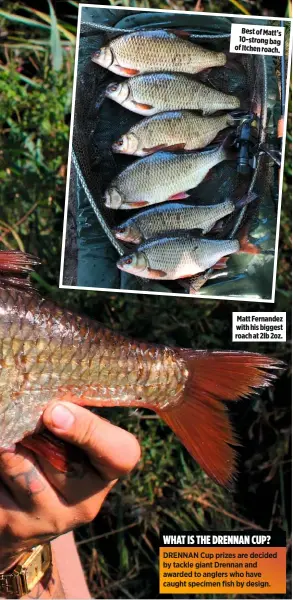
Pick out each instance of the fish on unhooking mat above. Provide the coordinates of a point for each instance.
(181, 256)
(156, 50)
(173, 216)
(162, 176)
(173, 130)
(158, 92)
(47, 353)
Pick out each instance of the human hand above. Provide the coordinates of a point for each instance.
(37, 502)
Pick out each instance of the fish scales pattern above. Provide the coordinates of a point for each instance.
(157, 177)
(160, 51)
(183, 256)
(166, 91)
(177, 127)
(172, 216)
(47, 352)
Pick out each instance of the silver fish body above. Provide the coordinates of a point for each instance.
(182, 130)
(176, 257)
(157, 50)
(171, 217)
(158, 92)
(159, 177)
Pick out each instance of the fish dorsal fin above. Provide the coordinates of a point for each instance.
(15, 267)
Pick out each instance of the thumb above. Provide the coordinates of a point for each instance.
(112, 450)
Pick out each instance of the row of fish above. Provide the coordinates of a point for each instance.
(159, 65)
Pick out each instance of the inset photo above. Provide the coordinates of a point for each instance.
(176, 153)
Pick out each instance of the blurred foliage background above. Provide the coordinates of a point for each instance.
(119, 549)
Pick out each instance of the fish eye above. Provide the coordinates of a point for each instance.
(113, 87)
(120, 142)
(128, 261)
(121, 229)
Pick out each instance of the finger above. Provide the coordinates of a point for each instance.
(112, 451)
(23, 478)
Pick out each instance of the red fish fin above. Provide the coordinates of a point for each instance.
(180, 196)
(180, 33)
(156, 273)
(245, 245)
(186, 276)
(155, 148)
(201, 422)
(59, 454)
(13, 261)
(222, 263)
(138, 204)
(15, 267)
(175, 147)
(143, 106)
(128, 72)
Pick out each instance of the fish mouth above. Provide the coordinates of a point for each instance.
(124, 264)
(126, 236)
(113, 199)
(103, 57)
(118, 148)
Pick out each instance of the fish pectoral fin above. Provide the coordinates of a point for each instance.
(138, 204)
(186, 276)
(165, 147)
(179, 196)
(222, 263)
(126, 71)
(155, 148)
(15, 267)
(180, 33)
(142, 106)
(64, 457)
(156, 273)
(174, 147)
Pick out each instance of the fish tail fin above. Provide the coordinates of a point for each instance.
(245, 200)
(226, 147)
(13, 261)
(201, 422)
(236, 116)
(245, 245)
(15, 266)
(61, 455)
(233, 62)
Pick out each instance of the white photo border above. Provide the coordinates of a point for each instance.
(197, 295)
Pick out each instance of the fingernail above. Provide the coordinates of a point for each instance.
(62, 417)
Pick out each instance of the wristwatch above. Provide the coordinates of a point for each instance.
(29, 570)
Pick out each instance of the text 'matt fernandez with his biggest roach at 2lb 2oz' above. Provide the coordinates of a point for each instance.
(47, 353)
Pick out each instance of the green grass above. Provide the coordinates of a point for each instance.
(119, 550)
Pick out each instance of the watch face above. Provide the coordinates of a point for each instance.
(29, 570)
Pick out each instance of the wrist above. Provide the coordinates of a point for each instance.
(8, 562)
